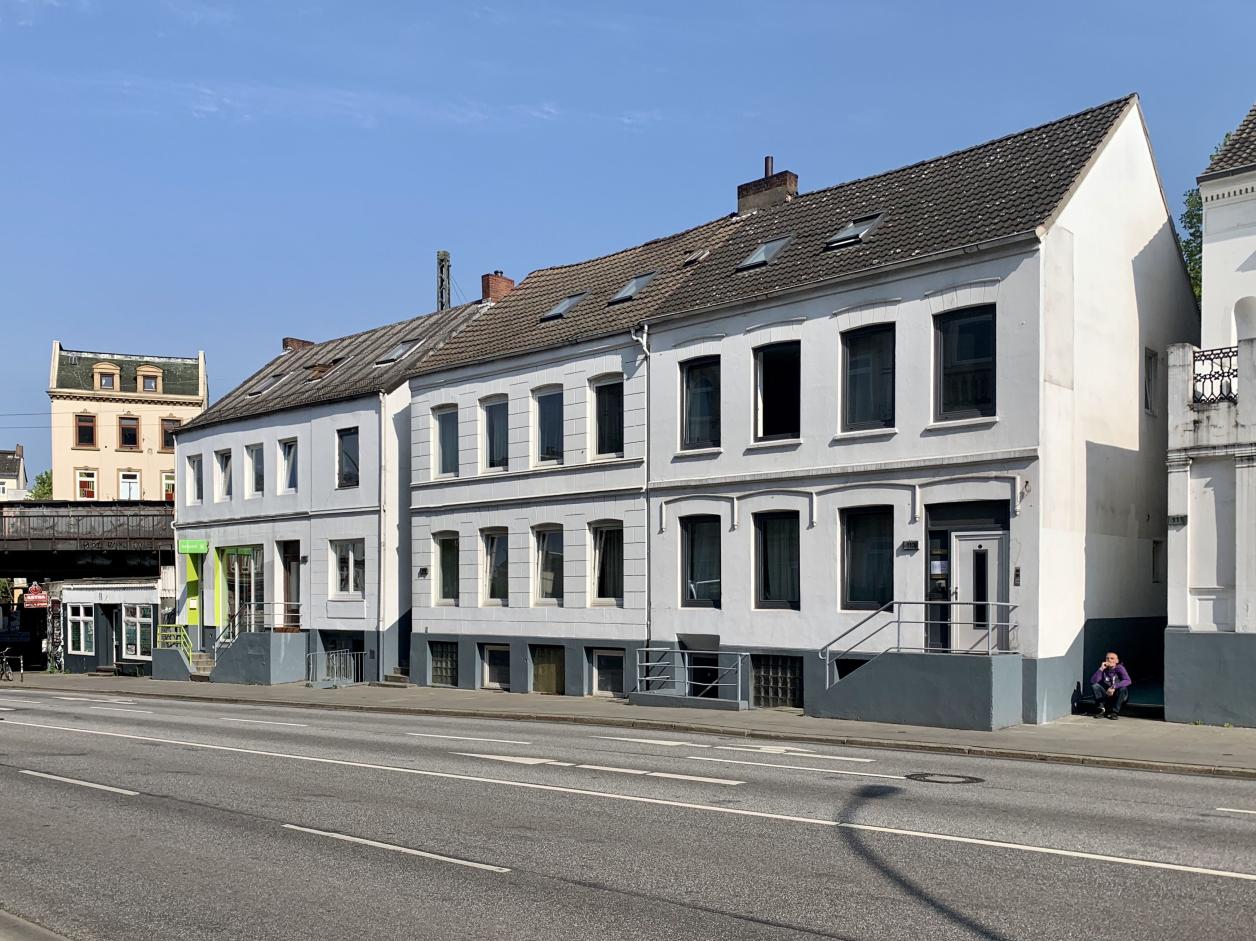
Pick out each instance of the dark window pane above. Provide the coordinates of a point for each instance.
(347, 458)
(965, 357)
(868, 553)
(981, 587)
(780, 389)
(497, 563)
(700, 561)
(869, 388)
(701, 378)
(776, 542)
(86, 428)
(129, 433)
(549, 426)
(610, 418)
(549, 564)
(447, 434)
(168, 426)
(496, 425)
(609, 557)
(448, 562)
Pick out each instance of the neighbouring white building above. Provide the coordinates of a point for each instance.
(902, 454)
(1210, 646)
(291, 510)
(13, 474)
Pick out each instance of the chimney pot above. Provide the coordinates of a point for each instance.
(772, 189)
(495, 286)
(767, 166)
(18, 450)
(291, 344)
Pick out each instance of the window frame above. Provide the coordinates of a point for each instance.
(540, 535)
(759, 351)
(139, 437)
(1151, 380)
(253, 455)
(139, 622)
(687, 367)
(289, 455)
(169, 476)
(548, 392)
(139, 482)
(440, 415)
(861, 333)
(940, 321)
(194, 468)
(343, 481)
(685, 528)
(596, 533)
(597, 389)
(83, 420)
(439, 540)
(485, 683)
(486, 405)
(486, 574)
(357, 560)
(82, 474)
(86, 630)
(760, 557)
(595, 673)
(168, 426)
(223, 471)
(845, 515)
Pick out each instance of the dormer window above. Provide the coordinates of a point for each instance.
(566, 304)
(107, 380)
(107, 376)
(268, 383)
(764, 254)
(148, 379)
(854, 232)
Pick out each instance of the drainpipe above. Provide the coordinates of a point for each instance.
(379, 529)
(642, 336)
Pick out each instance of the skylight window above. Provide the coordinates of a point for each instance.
(854, 233)
(763, 254)
(630, 290)
(694, 257)
(565, 305)
(268, 383)
(399, 352)
(319, 370)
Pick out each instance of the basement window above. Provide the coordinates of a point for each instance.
(632, 288)
(778, 378)
(566, 304)
(854, 233)
(268, 383)
(398, 352)
(764, 254)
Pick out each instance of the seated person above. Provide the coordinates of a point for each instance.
(1111, 686)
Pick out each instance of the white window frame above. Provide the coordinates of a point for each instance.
(355, 548)
(139, 484)
(595, 384)
(438, 569)
(254, 453)
(595, 557)
(289, 456)
(81, 475)
(222, 475)
(169, 477)
(139, 623)
(485, 404)
(80, 626)
(341, 433)
(539, 533)
(484, 680)
(605, 652)
(486, 575)
(196, 479)
(537, 394)
(438, 414)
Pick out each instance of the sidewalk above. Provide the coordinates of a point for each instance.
(1130, 743)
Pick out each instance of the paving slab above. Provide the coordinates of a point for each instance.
(1141, 744)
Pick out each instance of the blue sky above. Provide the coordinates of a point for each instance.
(179, 175)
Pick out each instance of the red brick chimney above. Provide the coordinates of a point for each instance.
(291, 344)
(771, 189)
(17, 449)
(495, 286)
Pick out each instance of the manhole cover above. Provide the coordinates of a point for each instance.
(929, 778)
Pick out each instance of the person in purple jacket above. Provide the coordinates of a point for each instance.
(1111, 686)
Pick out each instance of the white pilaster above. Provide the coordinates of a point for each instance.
(1179, 542)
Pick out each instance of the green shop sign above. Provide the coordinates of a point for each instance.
(193, 546)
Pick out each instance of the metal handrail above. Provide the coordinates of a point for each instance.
(335, 668)
(666, 660)
(252, 617)
(174, 636)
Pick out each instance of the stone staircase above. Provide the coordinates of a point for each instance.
(202, 666)
(394, 680)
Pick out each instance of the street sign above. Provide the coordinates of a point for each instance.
(193, 546)
(35, 597)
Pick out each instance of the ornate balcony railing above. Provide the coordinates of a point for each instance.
(1216, 376)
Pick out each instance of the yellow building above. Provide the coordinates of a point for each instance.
(113, 421)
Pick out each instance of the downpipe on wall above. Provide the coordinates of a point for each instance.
(642, 335)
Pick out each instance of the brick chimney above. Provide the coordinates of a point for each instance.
(17, 449)
(292, 344)
(771, 189)
(495, 286)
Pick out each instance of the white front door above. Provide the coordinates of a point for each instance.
(978, 581)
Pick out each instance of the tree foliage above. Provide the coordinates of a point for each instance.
(1192, 219)
(41, 489)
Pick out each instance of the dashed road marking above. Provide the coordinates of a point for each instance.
(396, 849)
(514, 759)
(466, 738)
(764, 764)
(295, 725)
(98, 787)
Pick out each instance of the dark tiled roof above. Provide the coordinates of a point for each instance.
(179, 375)
(10, 464)
(992, 191)
(514, 325)
(1239, 150)
(355, 375)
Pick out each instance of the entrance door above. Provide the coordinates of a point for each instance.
(243, 574)
(290, 585)
(548, 670)
(979, 578)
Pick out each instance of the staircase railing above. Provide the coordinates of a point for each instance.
(175, 637)
(995, 631)
(255, 617)
(691, 672)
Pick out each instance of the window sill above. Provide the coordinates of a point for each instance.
(339, 487)
(85, 447)
(494, 470)
(493, 603)
(697, 453)
(606, 603)
(445, 603)
(603, 458)
(547, 603)
(777, 444)
(865, 433)
(548, 463)
(984, 421)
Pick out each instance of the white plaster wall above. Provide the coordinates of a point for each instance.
(1211, 565)
(1229, 253)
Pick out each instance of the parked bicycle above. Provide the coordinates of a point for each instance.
(6, 672)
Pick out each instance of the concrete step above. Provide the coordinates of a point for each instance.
(199, 677)
(397, 678)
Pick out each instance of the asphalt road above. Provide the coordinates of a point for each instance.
(221, 821)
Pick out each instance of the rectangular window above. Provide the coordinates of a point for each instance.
(609, 415)
(868, 386)
(444, 662)
(128, 434)
(168, 428)
(496, 575)
(107, 380)
(867, 557)
(700, 406)
(288, 457)
(778, 383)
(446, 569)
(149, 383)
(350, 574)
(257, 470)
(496, 435)
(80, 629)
(549, 565)
(137, 631)
(346, 458)
(167, 486)
(85, 431)
(222, 475)
(128, 485)
(85, 484)
(776, 563)
(700, 561)
(608, 672)
(496, 667)
(964, 362)
(549, 425)
(608, 563)
(446, 440)
(196, 480)
(1151, 380)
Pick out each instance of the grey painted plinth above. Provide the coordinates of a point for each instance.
(692, 702)
(1210, 677)
(262, 659)
(944, 690)
(170, 664)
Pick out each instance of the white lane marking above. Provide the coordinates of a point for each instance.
(3, 709)
(295, 725)
(651, 741)
(147, 712)
(567, 764)
(23, 702)
(692, 777)
(764, 764)
(397, 849)
(465, 738)
(449, 775)
(99, 787)
(91, 699)
(1049, 851)
(615, 770)
(786, 752)
(513, 759)
(1235, 810)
